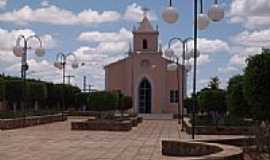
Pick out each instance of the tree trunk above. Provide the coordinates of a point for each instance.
(36, 106)
(14, 107)
(1, 106)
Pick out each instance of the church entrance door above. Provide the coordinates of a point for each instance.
(145, 95)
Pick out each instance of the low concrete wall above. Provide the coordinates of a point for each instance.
(134, 120)
(206, 151)
(30, 121)
(240, 142)
(100, 125)
(219, 130)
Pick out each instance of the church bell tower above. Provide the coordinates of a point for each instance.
(145, 38)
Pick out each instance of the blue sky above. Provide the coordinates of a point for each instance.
(87, 27)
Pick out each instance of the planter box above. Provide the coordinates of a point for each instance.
(102, 125)
(220, 130)
(206, 151)
(30, 121)
(134, 120)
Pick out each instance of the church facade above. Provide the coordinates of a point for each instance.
(143, 75)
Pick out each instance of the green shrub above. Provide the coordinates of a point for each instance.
(37, 91)
(2, 89)
(237, 104)
(81, 99)
(53, 96)
(125, 104)
(212, 100)
(67, 93)
(257, 85)
(15, 90)
(103, 101)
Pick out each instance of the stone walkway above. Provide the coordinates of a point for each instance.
(57, 142)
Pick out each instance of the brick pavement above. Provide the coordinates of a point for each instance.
(57, 142)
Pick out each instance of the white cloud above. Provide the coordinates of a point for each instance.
(8, 41)
(45, 3)
(43, 70)
(57, 16)
(111, 43)
(251, 13)
(134, 12)
(259, 38)
(206, 47)
(109, 47)
(203, 59)
(96, 36)
(3, 3)
(248, 43)
(229, 70)
(95, 61)
(240, 54)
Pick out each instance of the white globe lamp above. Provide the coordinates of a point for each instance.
(169, 53)
(191, 53)
(216, 13)
(40, 52)
(203, 21)
(188, 67)
(58, 65)
(75, 65)
(170, 15)
(18, 51)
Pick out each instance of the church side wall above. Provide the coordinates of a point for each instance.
(115, 77)
(171, 81)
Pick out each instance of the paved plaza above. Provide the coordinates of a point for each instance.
(57, 142)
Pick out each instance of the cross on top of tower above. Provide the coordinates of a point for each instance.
(145, 11)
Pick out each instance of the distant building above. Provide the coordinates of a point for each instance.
(143, 75)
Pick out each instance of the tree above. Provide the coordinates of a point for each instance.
(103, 101)
(237, 104)
(68, 94)
(213, 100)
(2, 89)
(15, 92)
(37, 93)
(53, 96)
(2, 94)
(81, 100)
(188, 104)
(257, 84)
(214, 83)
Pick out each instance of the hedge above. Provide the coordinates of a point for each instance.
(103, 101)
(48, 96)
(2, 89)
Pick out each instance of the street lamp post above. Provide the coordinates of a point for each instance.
(21, 51)
(215, 13)
(60, 63)
(170, 53)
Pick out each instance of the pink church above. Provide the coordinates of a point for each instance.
(143, 75)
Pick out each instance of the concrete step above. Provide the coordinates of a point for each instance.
(157, 116)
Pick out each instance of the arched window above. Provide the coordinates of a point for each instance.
(145, 45)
